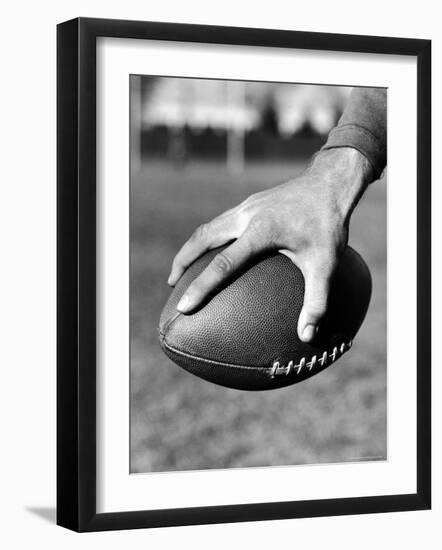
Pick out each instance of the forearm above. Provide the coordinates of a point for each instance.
(343, 173)
(363, 126)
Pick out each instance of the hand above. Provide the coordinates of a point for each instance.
(306, 219)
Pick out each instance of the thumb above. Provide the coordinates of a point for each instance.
(317, 284)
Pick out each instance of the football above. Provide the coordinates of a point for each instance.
(245, 335)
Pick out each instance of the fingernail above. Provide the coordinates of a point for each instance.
(309, 333)
(183, 304)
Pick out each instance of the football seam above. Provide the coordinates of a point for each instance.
(276, 369)
(211, 361)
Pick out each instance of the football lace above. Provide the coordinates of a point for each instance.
(325, 359)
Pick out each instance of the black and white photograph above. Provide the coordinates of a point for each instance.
(258, 274)
(243, 274)
(220, 268)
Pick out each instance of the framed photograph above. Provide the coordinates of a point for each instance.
(243, 279)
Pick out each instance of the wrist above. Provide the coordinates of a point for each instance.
(346, 173)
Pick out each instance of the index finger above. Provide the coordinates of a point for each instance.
(207, 236)
(222, 267)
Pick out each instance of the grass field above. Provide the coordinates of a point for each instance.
(179, 422)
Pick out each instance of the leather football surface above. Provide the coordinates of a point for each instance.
(245, 335)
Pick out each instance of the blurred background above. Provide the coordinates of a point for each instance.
(199, 147)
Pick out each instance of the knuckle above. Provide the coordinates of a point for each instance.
(244, 205)
(262, 223)
(250, 200)
(222, 264)
(196, 288)
(244, 212)
(201, 233)
(264, 229)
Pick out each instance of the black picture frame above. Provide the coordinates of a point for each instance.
(76, 273)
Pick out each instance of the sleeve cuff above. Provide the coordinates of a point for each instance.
(358, 137)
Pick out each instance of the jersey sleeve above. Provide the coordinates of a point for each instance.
(363, 126)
